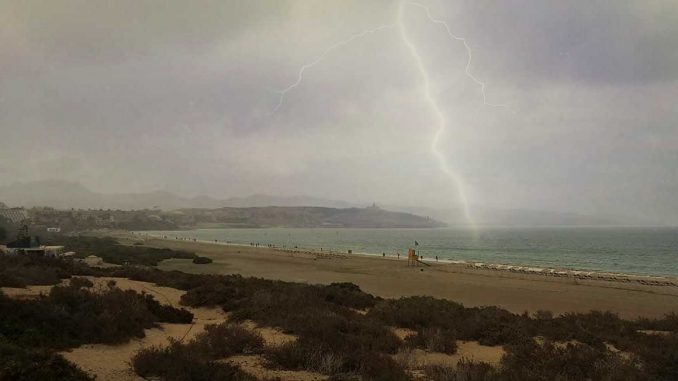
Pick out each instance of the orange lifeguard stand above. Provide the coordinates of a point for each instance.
(412, 257)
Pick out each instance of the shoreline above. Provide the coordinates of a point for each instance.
(526, 269)
(392, 278)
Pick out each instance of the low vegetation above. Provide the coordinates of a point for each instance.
(177, 362)
(334, 335)
(197, 359)
(463, 371)
(335, 339)
(18, 363)
(22, 270)
(68, 317)
(113, 252)
(202, 260)
(434, 340)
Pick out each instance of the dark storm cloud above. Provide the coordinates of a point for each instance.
(144, 95)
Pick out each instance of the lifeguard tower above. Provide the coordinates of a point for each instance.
(413, 258)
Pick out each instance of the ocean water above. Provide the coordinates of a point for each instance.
(642, 251)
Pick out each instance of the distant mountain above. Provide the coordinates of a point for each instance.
(295, 216)
(58, 194)
(267, 200)
(66, 195)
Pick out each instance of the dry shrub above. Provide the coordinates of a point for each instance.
(198, 359)
(112, 252)
(312, 356)
(378, 367)
(22, 364)
(407, 358)
(227, 339)
(178, 362)
(464, 371)
(543, 315)
(202, 260)
(70, 316)
(22, 270)
(533, 361)
(79, 282)
(488, 325)
(418, 312)
(332, 338)
(434, 340)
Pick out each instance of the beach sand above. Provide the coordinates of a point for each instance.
(113, 362)
(386, 277)
(392, 278)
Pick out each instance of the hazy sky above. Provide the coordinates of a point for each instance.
(131, 96)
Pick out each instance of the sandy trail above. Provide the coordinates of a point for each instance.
(256, 366)
(28, 292)
(112, 362)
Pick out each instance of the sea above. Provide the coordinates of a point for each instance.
(628, 250)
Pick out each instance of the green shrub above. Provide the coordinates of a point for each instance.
(79, 282)
(178, 362)
(377, 367)
(488, 325)
(202, 260)
(70, 316)
(418, 312)
(332, 338)
(464, 371)
(112, 252)
(434, 339)
(348, 295)
(22, 270)
(166, 313)
(227, 339)
(21, 364)
(530, 360)
(667, 323)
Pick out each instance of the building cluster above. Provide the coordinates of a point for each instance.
(48, 219)
(39, 250)
(14, 215)
(28, 244)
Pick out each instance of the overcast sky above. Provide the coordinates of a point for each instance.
(134, 96)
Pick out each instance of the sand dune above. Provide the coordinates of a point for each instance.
(112, 362)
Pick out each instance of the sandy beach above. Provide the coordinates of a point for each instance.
(391, 278)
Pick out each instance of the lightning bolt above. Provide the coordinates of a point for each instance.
(442, 123)
(300, 74)
(428, 94)
(469, 53)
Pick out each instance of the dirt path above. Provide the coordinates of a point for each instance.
(112, 362)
